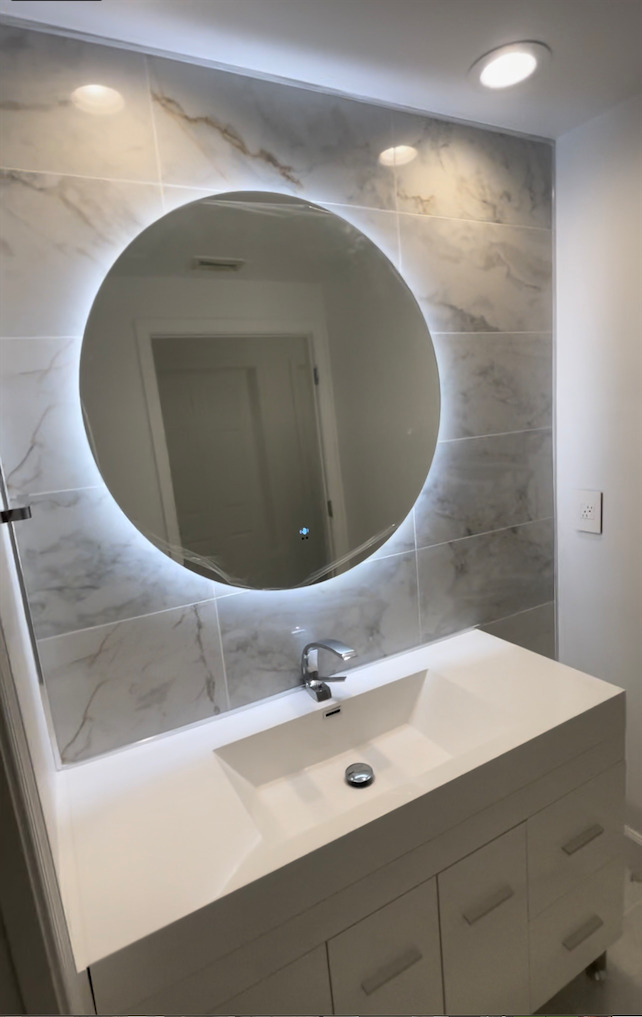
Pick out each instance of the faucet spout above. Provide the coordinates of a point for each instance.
(315, 686)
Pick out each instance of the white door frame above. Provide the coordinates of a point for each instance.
(314, 331)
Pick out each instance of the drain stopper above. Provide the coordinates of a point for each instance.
(359, 775)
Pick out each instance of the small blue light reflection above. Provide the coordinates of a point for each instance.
(304, 531)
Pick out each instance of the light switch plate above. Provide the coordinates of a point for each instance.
(589, 511)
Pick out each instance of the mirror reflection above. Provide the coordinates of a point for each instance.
(260, 390)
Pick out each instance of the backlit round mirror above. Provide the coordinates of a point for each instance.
(260, 390)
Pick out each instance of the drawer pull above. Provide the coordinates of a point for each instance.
(489, 905)
(390, 971)
(583, 839)
(583, 933)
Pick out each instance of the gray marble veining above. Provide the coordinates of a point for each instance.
(230, 132)
(478, 276)
(373, 609)
(42, 438)
(85, 564)
(471, 238)
(42, 129)
(533, 629)
(115, 684)
(60, 237)
(492, 383)
(481, 484)
(478, 579)
(467, 172)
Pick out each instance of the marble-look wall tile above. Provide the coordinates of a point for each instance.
(85, 564)
(42, 129)
(373, 609)
(478, 579)
(231, 132)
(60, 237)
(115, 684)
(492, 383)
(476, 276)
(467, 172)
(533, 629)
(42, 437)
(481, 484)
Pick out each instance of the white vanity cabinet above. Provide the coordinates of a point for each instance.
(374, 949)
(484, 890)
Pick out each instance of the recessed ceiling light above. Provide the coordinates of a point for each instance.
(398, 156)
(97, 99)
(508, 65)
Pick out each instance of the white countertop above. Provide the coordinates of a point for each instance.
(153, 832)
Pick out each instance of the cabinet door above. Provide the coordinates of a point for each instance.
(299, 988)
(390, 961)
(484, 928)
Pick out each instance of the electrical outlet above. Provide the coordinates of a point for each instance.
(589, 511)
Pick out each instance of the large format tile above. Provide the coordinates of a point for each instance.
(478, 579)
(229, 132)
(373, 608)
(467, 172)
(85, 564)
(42, 437)
(494, 383)
(113, 685)
(481, 484)
(533, 629)
(478, 276)
(42, 129)
(60, 237)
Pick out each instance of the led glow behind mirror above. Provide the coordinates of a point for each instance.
(260, 390)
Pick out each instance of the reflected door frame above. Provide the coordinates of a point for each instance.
(148, 328)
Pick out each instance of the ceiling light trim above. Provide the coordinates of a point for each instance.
(538, 51)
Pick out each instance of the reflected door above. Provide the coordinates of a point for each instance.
(243, 408)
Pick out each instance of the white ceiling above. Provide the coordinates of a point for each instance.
(406, 52)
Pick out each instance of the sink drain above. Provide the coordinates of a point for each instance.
(359, 775)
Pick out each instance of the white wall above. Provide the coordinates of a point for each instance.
(599, 407)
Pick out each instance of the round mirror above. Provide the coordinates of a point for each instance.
(259, 390)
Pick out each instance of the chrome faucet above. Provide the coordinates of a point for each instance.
(316, 686)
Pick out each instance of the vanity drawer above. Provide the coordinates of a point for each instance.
(300, 987)
(574, 837)
(482, 903)
(390, 961)
(575, 930)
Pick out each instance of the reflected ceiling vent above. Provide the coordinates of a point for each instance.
(203, 263)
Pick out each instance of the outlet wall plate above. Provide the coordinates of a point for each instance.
(588, 511)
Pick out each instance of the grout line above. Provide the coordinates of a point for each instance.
(516, 614)
(153, 125)
(498, 332)
(486, 533)
(78, 176)
(494, 434)
(24, 338)
(137, 617)
(414, 528)
(483, 222)
(223, 665)
(64, 490)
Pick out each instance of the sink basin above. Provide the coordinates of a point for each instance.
(290, 777)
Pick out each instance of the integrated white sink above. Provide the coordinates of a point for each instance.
(290, 777)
